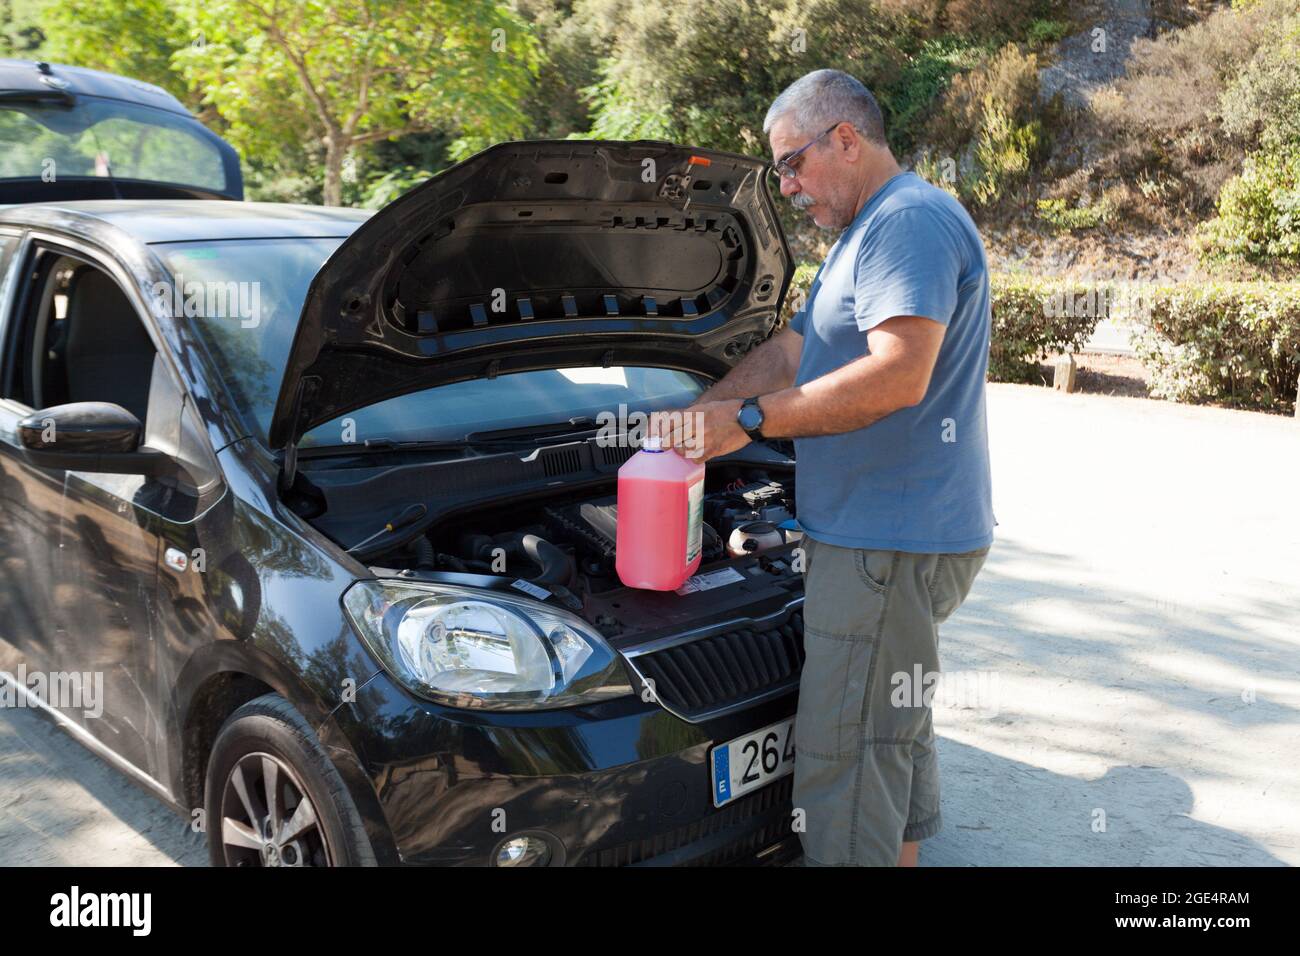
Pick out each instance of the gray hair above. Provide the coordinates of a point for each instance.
(823, 97)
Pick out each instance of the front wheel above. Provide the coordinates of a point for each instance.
(274, 799)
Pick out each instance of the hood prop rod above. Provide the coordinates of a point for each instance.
(289, 470)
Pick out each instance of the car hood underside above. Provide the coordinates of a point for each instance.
(542, 254)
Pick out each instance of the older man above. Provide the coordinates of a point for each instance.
(880, 381)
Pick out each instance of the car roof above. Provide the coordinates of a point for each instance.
(37, 76)
(189, 220)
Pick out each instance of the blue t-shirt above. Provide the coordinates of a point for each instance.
(918, 479)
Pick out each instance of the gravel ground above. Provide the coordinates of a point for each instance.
(1137, 618)
(60, 805)
(1135, 630)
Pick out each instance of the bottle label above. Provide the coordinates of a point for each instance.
(694, 519)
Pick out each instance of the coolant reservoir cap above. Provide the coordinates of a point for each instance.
(652, 443)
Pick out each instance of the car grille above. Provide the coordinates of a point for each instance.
(714, 675)
(771, 802)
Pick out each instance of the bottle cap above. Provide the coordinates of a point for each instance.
(652, 443)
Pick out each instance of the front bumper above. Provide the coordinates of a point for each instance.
(620, 783)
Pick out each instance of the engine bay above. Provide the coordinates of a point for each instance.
(561, 547)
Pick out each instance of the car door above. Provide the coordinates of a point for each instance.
(81, 549)
(29, 515)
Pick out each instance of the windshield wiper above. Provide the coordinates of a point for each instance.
(503, 438)
(381, 444)
(578, 425)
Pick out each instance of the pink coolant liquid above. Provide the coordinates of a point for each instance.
(660, 504)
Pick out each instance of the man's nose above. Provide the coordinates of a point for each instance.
(789, 186)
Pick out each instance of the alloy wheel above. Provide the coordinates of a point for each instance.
(267, 819)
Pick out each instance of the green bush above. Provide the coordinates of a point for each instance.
(1262, 105)
(1033, 318)
(988, 123)
(1231, 343)
(1259, 209)
(985, 18)
(1047, 31)
(1064, 217)
(383, 189)
(908, 99)
(1259, 212)
(797, 294)
(1006, 82)
(1003, 154)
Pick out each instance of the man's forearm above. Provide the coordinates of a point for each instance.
(853, 396)
(894, 374)
(764, 369)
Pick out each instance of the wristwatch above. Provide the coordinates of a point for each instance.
(750, 418)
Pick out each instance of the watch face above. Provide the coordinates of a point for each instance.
(750, 417)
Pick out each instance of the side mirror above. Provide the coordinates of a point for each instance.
(89, 436)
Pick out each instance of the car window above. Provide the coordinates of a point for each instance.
(250, 352)
(107, 137)
(82, 339)
(248, 338)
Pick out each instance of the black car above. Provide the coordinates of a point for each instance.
(326, 500)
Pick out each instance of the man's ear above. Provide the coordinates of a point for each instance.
(846, 140)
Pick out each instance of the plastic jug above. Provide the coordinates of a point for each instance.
(660, 518)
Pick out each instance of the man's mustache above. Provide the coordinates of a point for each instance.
(802, 200)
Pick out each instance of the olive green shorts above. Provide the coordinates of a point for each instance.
(866, 774)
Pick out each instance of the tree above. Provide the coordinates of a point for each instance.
(133, 38)
(699, 71)
(350, 72)
(20, 32)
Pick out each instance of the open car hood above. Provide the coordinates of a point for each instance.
(542, 254)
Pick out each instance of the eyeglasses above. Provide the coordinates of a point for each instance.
(783, 167)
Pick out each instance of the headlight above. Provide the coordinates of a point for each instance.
(476, 648)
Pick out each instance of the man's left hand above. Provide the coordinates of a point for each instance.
(704, 430)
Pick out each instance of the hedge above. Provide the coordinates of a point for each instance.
(1233, 343)
(1033, 318)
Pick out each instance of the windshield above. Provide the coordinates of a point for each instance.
(249, 326)
(107, 137)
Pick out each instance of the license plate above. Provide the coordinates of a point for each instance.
(755, 760)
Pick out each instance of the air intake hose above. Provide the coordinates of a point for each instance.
(555, 564)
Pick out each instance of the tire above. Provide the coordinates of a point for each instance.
(268, 740)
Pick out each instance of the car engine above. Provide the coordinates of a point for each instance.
(566, 545)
